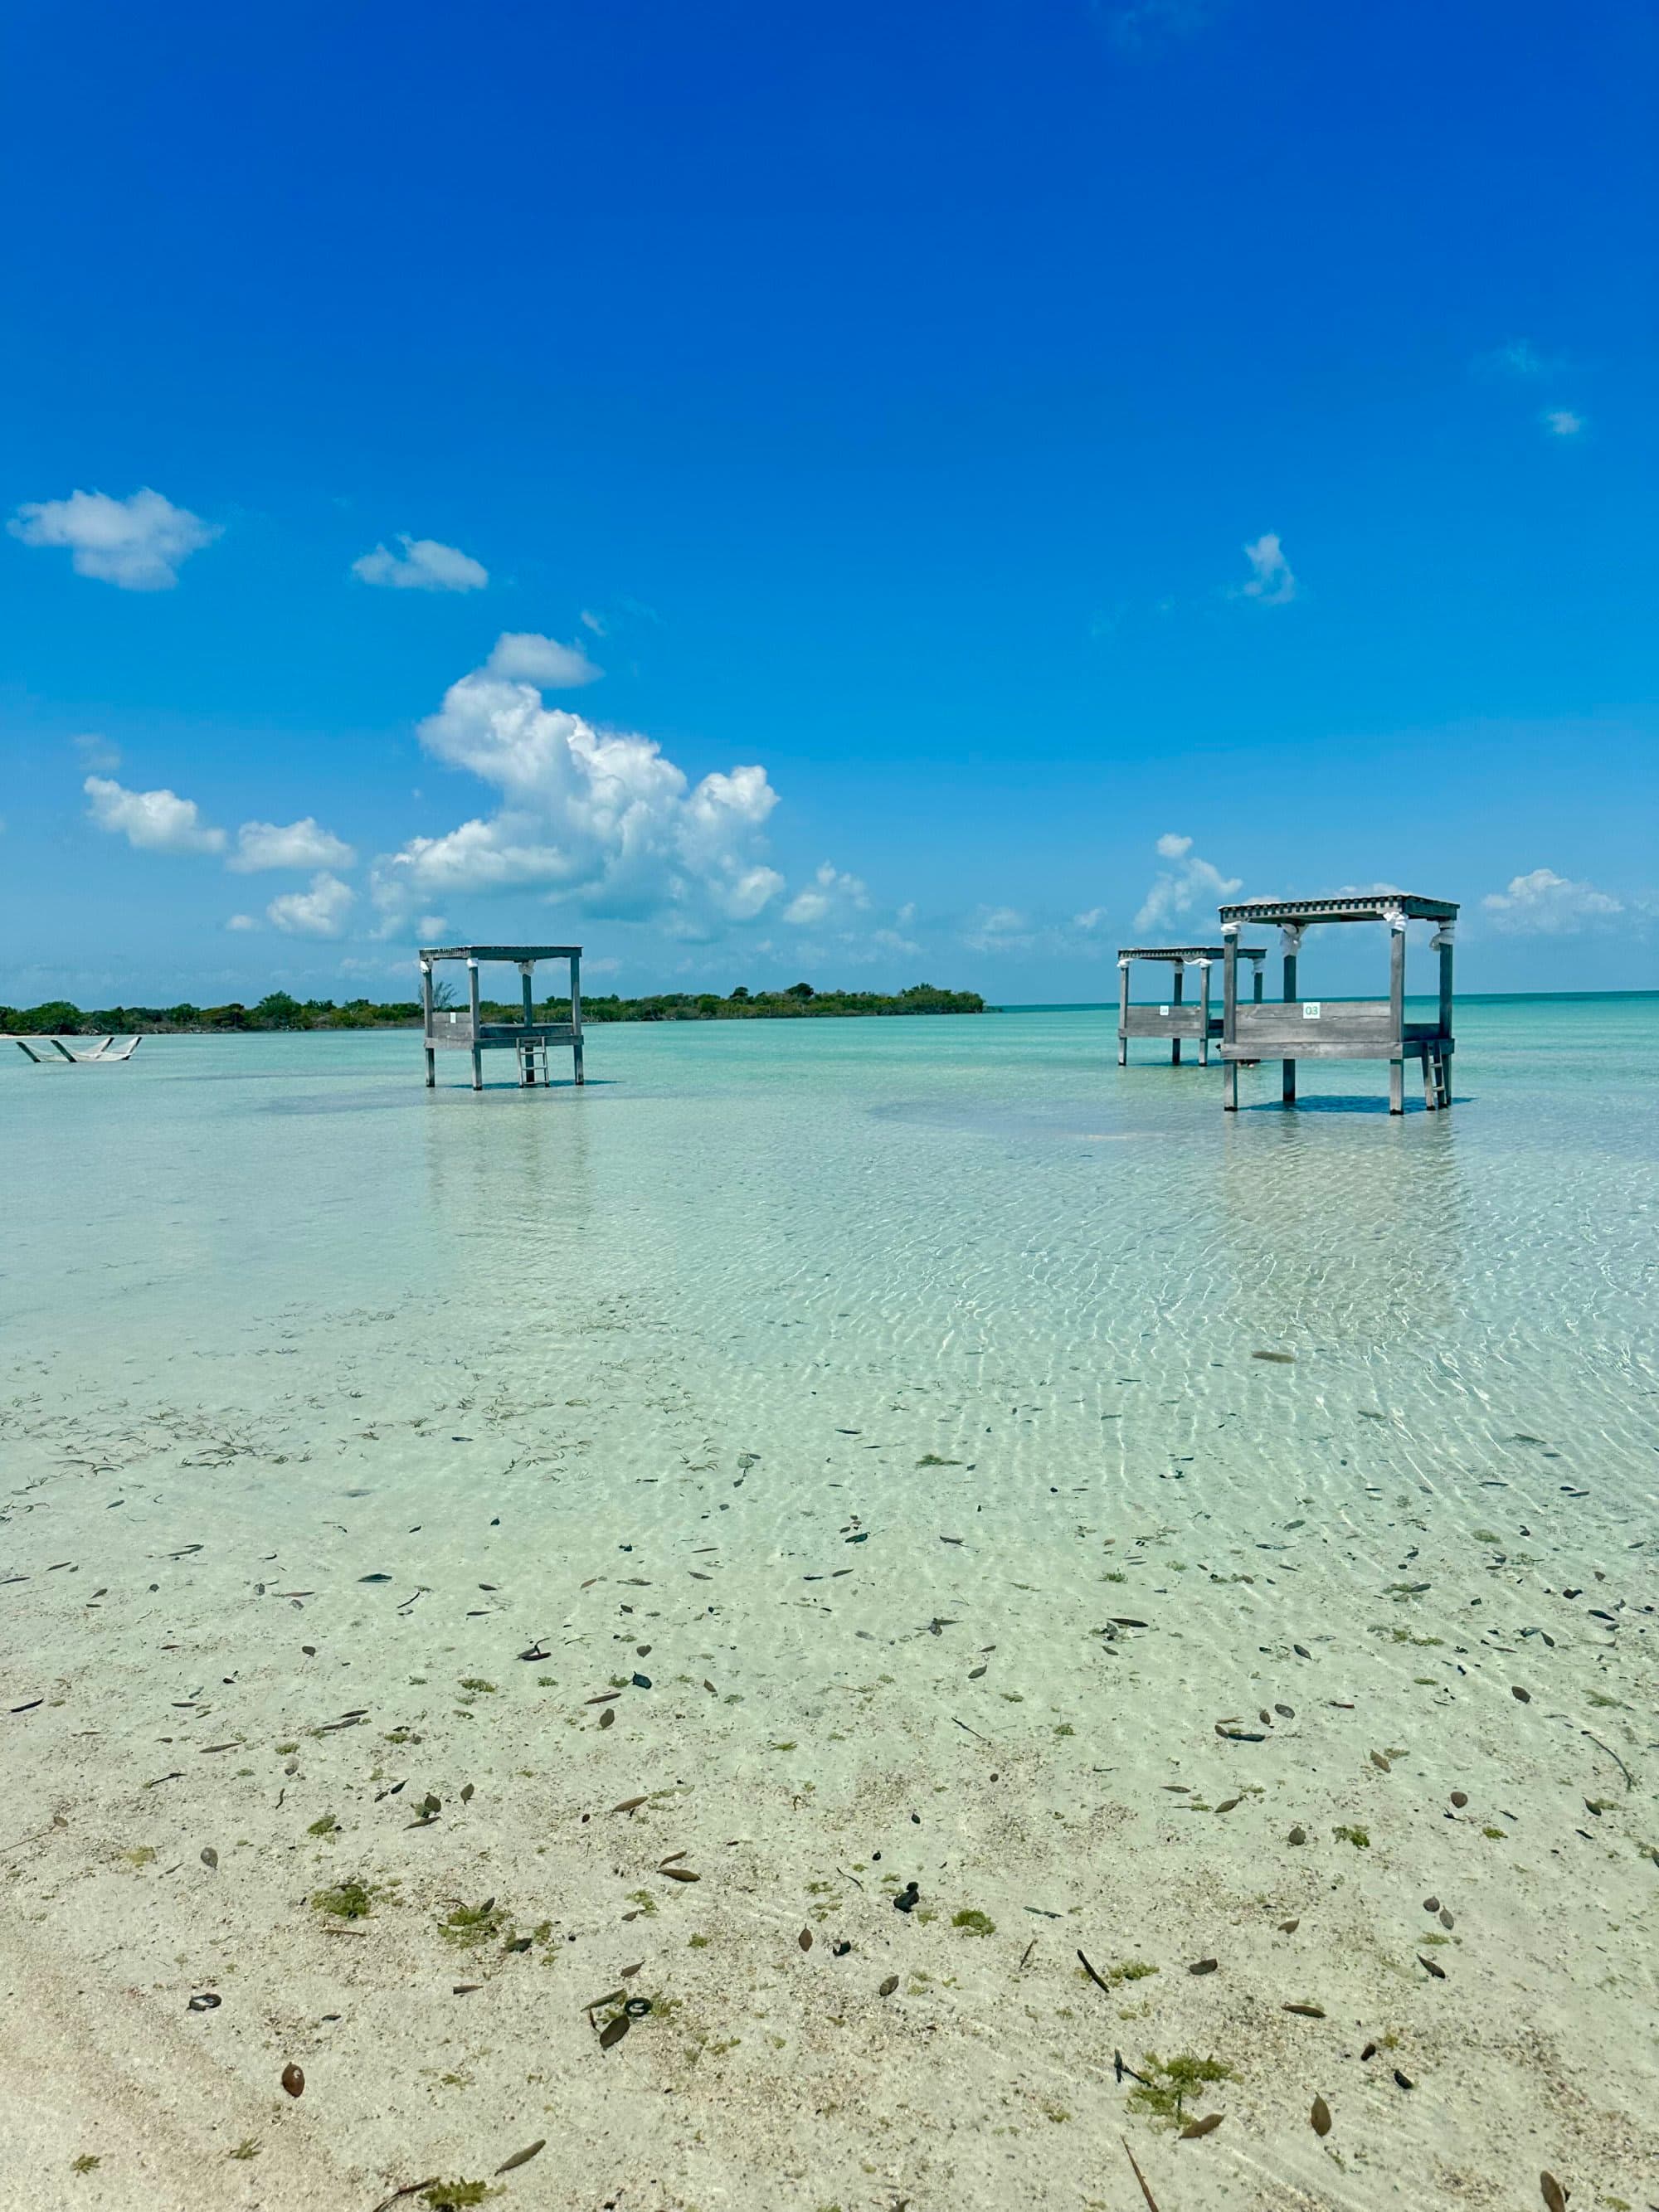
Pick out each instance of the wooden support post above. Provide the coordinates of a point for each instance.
(577, 1015)
(1123, 1013)
(1442, 1051)
(1175, 1000)
(1291, 939)
(426, 1023)
(1259, 966)
(527, 1058)
(477, 1050)
(1203, 1013)
(1230, 1013)
(1397, 1016)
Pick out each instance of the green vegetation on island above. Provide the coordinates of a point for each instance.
(278, 1010)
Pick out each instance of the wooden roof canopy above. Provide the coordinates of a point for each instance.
(498, 951)
(1359, 906)
(1188, 952)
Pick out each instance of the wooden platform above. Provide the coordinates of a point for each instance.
(463, 1029)
(1339, 1029)
(1175, 1020)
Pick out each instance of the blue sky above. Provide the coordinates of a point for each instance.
(977, 446)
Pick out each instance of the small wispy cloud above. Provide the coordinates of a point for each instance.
(137, 543)
(304, 844)
(1562, 422)
(1515, 357)
(1543, 904)
(1137, 24)
(1187, 882)
(998, 929)
(526, 657)
(831, 893)
(424, 565)
(150, 821)
(98, 754)
(1272, 584)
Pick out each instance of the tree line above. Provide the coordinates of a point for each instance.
(278, 1010)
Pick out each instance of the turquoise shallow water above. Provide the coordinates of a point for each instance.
(972, 1197)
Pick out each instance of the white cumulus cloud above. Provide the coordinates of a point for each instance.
(241, 921)
(322, 911)
(150, 821)
(1187, 883)
(1544, 904)
(424, 565)
(599, 818)
(1562, 423)
(137, 543)
(304, 844)
(1272, 583)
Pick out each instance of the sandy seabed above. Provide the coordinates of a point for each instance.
(531, 1749)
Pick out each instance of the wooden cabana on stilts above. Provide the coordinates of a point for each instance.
(462, 1028)
(1339, 1029)
(1176, 1019)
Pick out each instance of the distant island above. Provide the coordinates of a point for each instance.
(278, 1010)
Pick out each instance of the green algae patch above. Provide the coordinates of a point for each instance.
(350, 1901)
(1127, 1970)
(974, 1923)
(1168, 2084)
(451, 2196)
(1360, 1838)
(469, 1925)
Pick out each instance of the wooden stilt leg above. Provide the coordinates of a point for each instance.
(1288, 1087)
(1431, 1082)
(1396, 1086)
(1122, 1012)
(1230, 1015)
